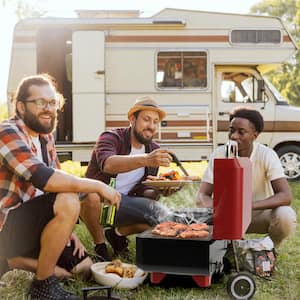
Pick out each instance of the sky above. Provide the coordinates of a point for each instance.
(66, 8)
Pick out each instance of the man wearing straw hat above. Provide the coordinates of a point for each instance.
(127, 156)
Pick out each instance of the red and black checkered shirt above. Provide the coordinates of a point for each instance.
(21, 172)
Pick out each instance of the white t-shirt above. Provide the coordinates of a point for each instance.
(36, 141)
(266, 167)
(126, 181)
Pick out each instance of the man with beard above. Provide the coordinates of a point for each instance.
(271, 211)
(39, 204)
(128, 156)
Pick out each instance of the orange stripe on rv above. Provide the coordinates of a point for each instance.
(152, 39)
(166, 38)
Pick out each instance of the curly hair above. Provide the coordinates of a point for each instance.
(250, 114)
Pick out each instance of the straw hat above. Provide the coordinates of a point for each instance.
(146, 103)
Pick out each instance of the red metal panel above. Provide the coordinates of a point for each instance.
(232, 198)
(157, 277)
(202, 281)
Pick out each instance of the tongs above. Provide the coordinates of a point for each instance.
(178, 163)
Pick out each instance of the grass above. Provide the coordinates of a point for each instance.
(283, 286)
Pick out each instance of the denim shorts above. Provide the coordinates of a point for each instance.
(139, 210)
(22, 231)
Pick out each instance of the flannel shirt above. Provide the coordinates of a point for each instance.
(116, 142)
(21, 172)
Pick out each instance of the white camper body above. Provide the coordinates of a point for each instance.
(197, 65)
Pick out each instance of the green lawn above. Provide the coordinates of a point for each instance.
(284, 285)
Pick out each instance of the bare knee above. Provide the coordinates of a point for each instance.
(92, 202)
(67, 205)
(285, 217)
(283, 224)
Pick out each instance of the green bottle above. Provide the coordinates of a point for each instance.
(107, 217)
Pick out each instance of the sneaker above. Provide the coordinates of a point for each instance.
(49, 289)
(102, 253)
(118, 243)
(3, 266)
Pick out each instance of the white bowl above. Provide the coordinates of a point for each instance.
(114, 280)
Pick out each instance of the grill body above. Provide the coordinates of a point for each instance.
(200, 258)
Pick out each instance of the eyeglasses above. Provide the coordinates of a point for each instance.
(42, 103)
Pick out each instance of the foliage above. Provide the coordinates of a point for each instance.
(287, 78)
(3, 112)
(74, 168)
(25, 8)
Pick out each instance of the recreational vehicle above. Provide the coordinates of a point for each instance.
(197, 65)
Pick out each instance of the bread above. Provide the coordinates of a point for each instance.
(129, 272)
(118, 268)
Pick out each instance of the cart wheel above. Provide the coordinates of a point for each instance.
(241, 286)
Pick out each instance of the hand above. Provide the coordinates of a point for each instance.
(110, 195)
(159, 157)
(204, 201)
(168, 191)
(151, 177)
(79, 249)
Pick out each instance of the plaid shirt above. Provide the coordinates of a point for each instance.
(116, 142)
(21, 172)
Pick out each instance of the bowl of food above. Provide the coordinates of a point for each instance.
(118, 274)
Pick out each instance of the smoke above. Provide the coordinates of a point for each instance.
(162, 213)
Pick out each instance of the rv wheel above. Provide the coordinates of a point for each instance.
(241, 286)
(289, 156)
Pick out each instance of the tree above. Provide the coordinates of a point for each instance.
(3, 112)
(287, 78)
(24, 9)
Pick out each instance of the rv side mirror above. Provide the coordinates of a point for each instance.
(260, 90)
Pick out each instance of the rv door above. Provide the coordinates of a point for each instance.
(88, 85)
(240, 87)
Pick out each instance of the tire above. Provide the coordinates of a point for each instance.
(241, 286)
(289, 156)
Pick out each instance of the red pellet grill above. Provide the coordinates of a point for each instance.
(202, 257)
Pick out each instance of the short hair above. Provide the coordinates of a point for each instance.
(250, 114)
(22, 92)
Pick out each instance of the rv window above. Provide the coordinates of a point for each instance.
(240, 87)
(256, 36)
(181, 69)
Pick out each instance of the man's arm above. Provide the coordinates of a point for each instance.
(204, 198)
(124, 163)
(282, 196)
(61, 182)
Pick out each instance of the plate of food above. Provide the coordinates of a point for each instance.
(170, 179)
(166, 183)
(117, 274)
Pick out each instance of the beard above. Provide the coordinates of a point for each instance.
(32, 122)
(141, 139)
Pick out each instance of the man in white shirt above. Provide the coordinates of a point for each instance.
(127, 156)
(271, 211)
